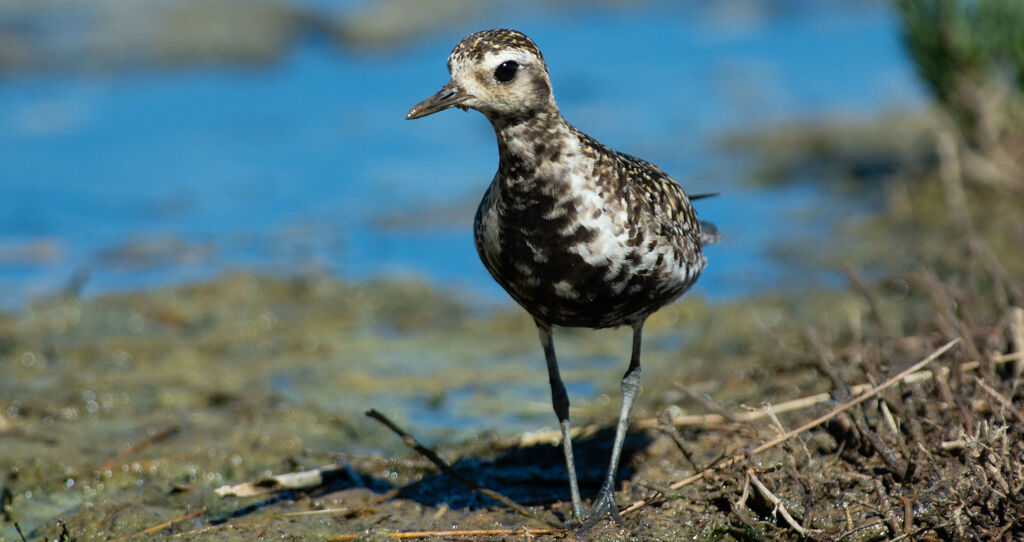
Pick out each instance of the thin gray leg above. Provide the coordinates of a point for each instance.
(604, 505)
(560, 400)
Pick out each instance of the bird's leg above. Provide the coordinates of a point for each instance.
(604, 505)
(560, 400)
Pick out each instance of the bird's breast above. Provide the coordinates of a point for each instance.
(575, 252)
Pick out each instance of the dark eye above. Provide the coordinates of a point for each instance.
(506, 71)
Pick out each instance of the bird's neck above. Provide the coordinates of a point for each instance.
(526, 144)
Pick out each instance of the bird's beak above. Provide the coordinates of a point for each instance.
(450, 95)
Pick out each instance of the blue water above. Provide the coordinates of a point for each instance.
(290, 167)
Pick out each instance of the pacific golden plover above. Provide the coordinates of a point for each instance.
(578, 234)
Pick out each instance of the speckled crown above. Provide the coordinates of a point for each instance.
(475, 46)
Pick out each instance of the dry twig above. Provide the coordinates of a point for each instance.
(281, 482)
(166, 524)
(1017, 331)
(479, 532)
(776, 502)
(157, 436)
(1003, 401)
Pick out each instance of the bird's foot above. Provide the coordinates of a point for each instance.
(578, 516)
(604, 507)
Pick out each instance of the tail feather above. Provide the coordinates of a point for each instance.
(708, 233)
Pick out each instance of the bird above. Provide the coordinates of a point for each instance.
(578, 234)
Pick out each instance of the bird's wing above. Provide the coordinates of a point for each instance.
(670, 205)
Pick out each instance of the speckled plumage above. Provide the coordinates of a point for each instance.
(578, 234)
(581, 235)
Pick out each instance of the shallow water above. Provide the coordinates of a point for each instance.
(157, 176)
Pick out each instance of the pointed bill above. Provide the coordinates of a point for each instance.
(450, 95)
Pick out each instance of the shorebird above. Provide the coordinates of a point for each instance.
(578, 234)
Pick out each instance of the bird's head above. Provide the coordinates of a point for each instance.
(500, 73)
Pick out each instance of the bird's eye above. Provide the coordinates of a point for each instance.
(506, 71)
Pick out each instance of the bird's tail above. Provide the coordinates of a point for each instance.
(708, 233)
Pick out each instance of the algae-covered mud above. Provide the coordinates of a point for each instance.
(125, 409)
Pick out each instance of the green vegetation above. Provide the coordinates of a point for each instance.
(971, 55)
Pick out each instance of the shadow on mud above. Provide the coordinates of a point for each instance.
(531, 475)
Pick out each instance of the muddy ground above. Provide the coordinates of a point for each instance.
(121, 415)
